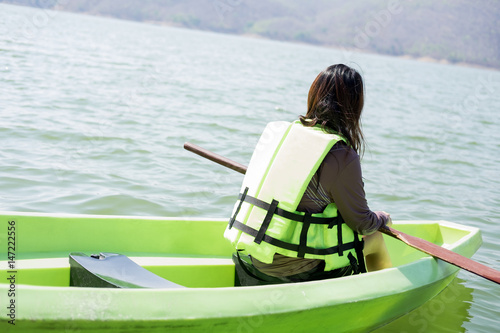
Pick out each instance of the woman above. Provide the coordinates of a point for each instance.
(302, 203)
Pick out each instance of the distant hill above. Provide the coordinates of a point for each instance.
(454, 31)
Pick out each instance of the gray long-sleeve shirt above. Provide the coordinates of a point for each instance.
(338, 180)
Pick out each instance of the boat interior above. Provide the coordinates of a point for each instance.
(183, 262)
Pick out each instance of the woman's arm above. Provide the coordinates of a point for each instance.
(342, 178)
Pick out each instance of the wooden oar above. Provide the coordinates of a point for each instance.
(415, 242)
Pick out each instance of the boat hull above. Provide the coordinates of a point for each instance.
(192, 252)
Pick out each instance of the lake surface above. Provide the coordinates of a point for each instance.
(95, 112)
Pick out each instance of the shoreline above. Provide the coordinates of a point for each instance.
(445, 62)
(427, 59)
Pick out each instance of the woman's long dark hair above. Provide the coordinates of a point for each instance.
(335, 101)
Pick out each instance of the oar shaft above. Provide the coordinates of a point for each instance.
(216, 158)
(415, 242)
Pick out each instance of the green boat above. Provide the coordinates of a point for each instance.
(191, 252)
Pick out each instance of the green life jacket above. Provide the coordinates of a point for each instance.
(265, 219)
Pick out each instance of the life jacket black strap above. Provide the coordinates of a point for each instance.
(266, 222)
(339, 234)
(302, 249)
(303, 236)
(242, 198)
(331, 221)
(358, 247)
(293, 247)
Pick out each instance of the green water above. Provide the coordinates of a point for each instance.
(94, 113)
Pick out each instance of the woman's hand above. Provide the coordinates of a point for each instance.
(388, 219)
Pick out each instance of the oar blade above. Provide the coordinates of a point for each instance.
(445, 254)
